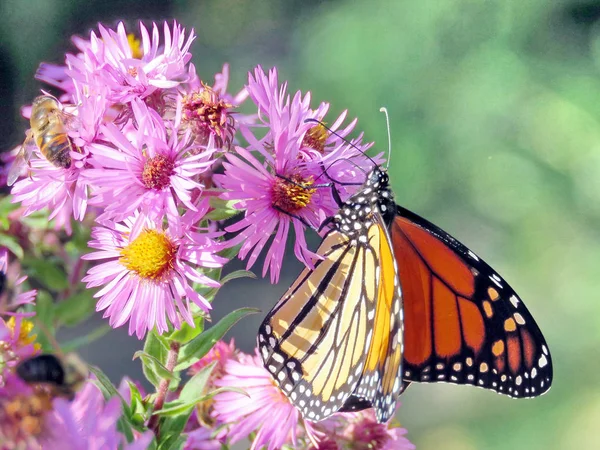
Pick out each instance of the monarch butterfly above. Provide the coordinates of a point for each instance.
(395, 299)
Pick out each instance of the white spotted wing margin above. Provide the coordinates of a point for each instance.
(332, 334)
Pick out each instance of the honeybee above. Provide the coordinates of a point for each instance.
(62, 377)
(48, 132)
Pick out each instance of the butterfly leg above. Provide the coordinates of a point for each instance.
(301, 219)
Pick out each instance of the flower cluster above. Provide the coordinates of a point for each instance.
(142, 183)
(259, 409)
(287, 178)
(145, 132)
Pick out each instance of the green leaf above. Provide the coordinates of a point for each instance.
(174, 440)
(200, 345)
(44, 320)
(12, 244)
(196, 385)
(137, 412)
(180, 406)
(190, 395)
(172, 425)
(156, 347)
(237, 274)
(75, 309)
(109, 391)
(153, 364)
(48, 272)
(223, 209)
(186, 333)
(6, 207)
(231, 252)
(37, 220)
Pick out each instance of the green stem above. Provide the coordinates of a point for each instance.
(163, 387)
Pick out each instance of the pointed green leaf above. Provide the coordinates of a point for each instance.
(186, 333)
(109, 391)
(137, 412)
(151, 363)
(223, 209)
(237, 274)
(181, 406)
(156, 347)
(200, 345)
(230, 252)
(12, 244)
(190, 395)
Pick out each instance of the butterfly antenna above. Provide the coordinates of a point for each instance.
(384, 110)
(343, 139)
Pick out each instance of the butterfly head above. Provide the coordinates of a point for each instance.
(375, 195)
(379, 181)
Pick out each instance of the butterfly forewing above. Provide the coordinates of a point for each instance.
(336, 334)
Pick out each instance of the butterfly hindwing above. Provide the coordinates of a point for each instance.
(381, 380)
(463, 323)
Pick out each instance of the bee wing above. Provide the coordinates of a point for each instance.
(21, 160)
(70, 121)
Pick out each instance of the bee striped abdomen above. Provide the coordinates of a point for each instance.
(56, 148)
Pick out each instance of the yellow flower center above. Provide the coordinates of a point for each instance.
(157, 172)
(136, 46)
(315, 138)
(292, 195)
(151, 255)
(24, 337)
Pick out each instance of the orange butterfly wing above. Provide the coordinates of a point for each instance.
(463, 324)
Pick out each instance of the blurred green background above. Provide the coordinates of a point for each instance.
(495, 121)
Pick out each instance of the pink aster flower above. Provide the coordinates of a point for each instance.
(203, 438)
(363, 431)
(203, 416)
(88, 423)
(12, 297)
(264, 410)
(344, 160)
(53, 188)
(92, 110)
(359, 431)
(220, 353)
(148, 270)
(63, 191)
(151, 168)
(277, 194)
(132, 69)
(208, 111)
(57, 189)
(274, 201)
(16, 342)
